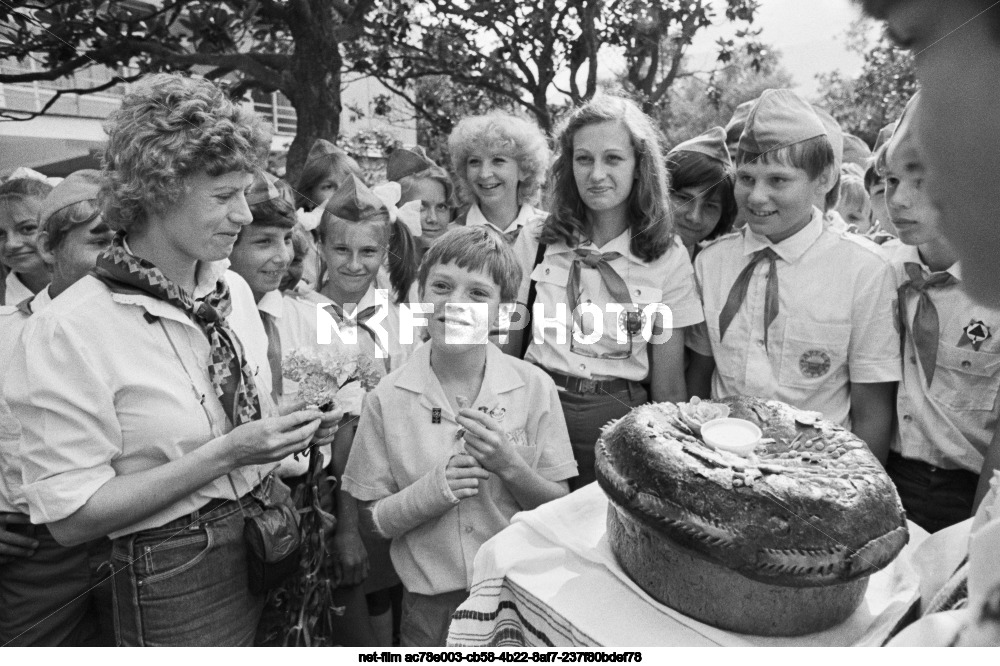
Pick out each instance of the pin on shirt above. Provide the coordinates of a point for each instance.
(974, 335)
(435, 415)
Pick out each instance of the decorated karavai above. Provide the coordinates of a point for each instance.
(778, 542)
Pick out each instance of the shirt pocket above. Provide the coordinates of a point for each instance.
(518, 441)
(812, 352)
(966, 379)
(549, 274)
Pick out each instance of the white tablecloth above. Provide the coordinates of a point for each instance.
(550, 579)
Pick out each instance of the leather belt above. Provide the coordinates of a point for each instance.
(582, 385)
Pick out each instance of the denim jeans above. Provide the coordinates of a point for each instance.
(52, 598)
(586, 414)
(185, 584)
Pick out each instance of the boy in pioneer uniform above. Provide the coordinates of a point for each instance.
(795, 310)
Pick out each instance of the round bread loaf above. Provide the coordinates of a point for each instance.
(778, 543)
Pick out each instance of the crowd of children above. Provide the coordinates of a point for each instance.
(151, 308)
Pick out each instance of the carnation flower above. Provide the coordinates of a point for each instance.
(321, 377)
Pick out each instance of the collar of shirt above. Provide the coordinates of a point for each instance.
(791, 249)
(417, 376)
(273, 303)
(833, 220)
(910, 253)
(620, 244)
(207, 274)
(475, 218)
(371, 297)
(15, 290)
(40, 301)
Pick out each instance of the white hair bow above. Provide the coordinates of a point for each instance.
(311, 219)
(409, 213)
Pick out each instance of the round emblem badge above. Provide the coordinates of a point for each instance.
(632, 322)
(814, 363)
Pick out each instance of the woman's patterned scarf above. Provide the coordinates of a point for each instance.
(125, 272)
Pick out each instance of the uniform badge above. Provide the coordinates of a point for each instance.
(632, 322)
(497, 413)
(435, 415)
(974, 335)
(814, 363)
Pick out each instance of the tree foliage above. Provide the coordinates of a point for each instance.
(536, 57)
(697, 103)
(293, 46)
(445, 57)
(875, 97)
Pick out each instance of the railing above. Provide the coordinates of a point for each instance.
(31, 97)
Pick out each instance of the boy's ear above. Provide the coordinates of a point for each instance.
(826, 180)
(43, 249)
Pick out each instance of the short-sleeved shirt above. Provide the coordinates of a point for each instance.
(950, 423)
(13, 319)
(835, 326)
(15, 291)
(109, 384)
(398, 443)
(668, 280)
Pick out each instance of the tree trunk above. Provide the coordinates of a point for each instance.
(313, 87)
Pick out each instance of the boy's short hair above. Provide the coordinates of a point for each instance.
(477, 248)
(812, 156)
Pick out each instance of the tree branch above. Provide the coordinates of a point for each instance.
(244, 62)
(56, 94)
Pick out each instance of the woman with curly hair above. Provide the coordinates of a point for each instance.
(144, 391)
(500, 161)
(610, 253)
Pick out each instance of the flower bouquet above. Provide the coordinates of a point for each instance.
(304, 604)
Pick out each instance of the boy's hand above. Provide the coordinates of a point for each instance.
(350, 561)
(486, 441)
(463, 474)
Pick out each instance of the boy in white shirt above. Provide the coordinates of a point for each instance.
(946, 406)
(793, 309)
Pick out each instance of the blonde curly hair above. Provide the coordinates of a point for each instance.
(168, 128)
(521, 139)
